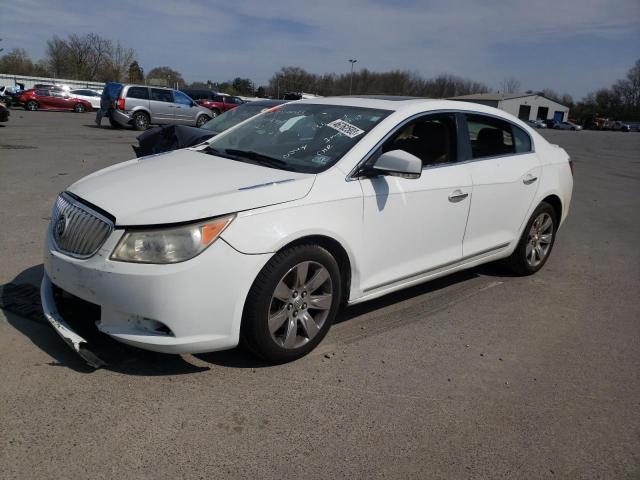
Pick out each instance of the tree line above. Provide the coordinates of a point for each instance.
(91, 57)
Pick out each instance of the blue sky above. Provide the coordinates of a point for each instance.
(572, 46)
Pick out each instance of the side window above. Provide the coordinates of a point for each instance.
(431, 138)
(160, 95)
(216, 98)
(235, 100)
(42, 93)
(181, 98)
(489, 136)
(522, 139)
(138, 92)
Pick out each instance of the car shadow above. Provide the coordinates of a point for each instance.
(20, 301)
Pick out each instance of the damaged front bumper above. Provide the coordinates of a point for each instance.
(75, 341)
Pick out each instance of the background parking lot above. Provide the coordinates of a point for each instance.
(477, 375)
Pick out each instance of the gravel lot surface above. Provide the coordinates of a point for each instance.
(478, 375)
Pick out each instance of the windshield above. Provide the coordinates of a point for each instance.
(233, 117)
(300, 137)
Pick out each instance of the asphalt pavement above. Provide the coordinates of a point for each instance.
(477, 375)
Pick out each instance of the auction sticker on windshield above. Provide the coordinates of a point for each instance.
(346, 128)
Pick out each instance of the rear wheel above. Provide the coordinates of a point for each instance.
(292, 303)
(536, 242)
(79, 108)
(215, 113)
(140, 121)
(202, 119)
(31, 105)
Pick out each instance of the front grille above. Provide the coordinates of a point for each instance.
(78, 230)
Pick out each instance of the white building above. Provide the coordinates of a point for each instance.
(525, 106)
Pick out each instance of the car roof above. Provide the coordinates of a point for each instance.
(398, 103)
(267, 102)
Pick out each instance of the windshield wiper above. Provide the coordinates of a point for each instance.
(258, 157)
(214, 151)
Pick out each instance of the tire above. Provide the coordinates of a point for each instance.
(535, 244)
(277, 323)
(202, 119)
(79, 108)
(215, 113)
(114, 124)
(140, 121)
(31, 105)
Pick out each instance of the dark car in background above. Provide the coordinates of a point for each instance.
(172, 137)
(52, 99)
(216, 102)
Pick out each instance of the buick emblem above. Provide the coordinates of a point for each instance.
(60, 226)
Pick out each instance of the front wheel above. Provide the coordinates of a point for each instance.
(202, 119)
(292, 303)
(536, 242)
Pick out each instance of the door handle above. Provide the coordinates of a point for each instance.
(457, 196)
(529, 179)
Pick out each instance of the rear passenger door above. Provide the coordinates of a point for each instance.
(161, 105)
(504, 171)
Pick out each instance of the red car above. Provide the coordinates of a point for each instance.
(216, 102)
(49, 99)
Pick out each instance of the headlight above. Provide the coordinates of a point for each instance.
(169, 245)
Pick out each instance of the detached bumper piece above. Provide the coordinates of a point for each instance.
(71, 338)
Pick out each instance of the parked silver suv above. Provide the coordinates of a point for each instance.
(142, 105)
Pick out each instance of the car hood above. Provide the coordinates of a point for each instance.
(186, 185)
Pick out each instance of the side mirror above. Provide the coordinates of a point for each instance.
(396, 163)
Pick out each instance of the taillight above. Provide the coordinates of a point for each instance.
(571, 166)
(120, 104)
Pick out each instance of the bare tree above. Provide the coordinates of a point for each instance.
(115, 66)
(510, 85)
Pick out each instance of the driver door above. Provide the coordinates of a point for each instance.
(416, 226)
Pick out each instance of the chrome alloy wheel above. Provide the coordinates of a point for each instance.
(540, 239)
(300, 304)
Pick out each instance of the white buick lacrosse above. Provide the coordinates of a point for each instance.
(264, 232)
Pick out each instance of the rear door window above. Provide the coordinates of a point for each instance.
(138, 92)
(522, 139)
(489, 136)
(161, 95)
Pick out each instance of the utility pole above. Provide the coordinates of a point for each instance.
(351, 61)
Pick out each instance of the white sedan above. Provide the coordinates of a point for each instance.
(92, 96)
(264, 232)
